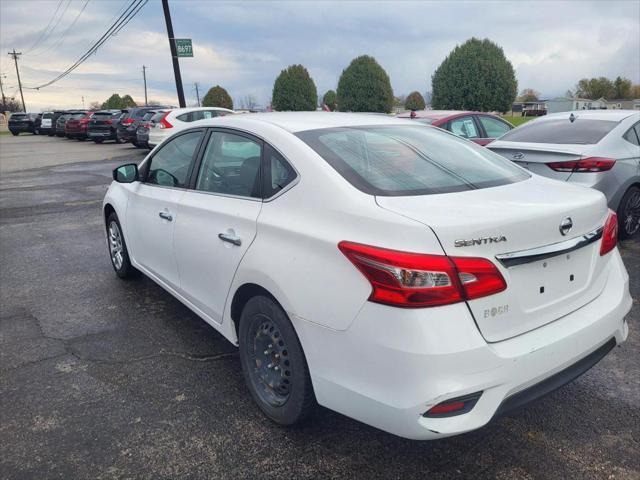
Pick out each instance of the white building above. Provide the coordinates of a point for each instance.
(566, 104)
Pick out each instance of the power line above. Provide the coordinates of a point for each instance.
(39, 39)
(64, 12)
(63, 35)
(126, 17)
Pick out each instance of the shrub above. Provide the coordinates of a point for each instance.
(329, 100)
(364, 86)
(217, 97)
(294, 90)
(415, 101)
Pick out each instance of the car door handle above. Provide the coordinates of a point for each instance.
(165, 216)
(225, 237)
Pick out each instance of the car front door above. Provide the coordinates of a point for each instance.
(152, 211)
(218, 218)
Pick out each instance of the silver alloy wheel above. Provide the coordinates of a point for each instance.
(632, 214)
(115, 245)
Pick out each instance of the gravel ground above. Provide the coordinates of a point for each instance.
(102, 378)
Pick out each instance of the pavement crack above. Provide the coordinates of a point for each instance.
(184, 355)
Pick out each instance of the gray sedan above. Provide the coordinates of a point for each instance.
(594, 148)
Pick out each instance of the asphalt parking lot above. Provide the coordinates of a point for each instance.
(102, 378)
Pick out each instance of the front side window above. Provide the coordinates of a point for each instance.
(170, 166)
(408, 160)
(464, 127)
(494, 127)
(231, 166)
(582, 131)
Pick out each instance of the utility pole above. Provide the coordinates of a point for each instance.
(144, 76)
(174, 53)
(15, 56)
(198, 94)
(82, 101)
(4, 101)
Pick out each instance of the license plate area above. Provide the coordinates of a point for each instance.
(556, 279)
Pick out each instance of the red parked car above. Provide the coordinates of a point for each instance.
(77, 125)
(481, 128)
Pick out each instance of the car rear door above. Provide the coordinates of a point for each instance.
(492, 128)
(152, 211)
(217, 218)
(466, 127)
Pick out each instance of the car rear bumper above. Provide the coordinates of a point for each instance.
(101, 134)
(155, 138)
(21, 128)
(392, 365)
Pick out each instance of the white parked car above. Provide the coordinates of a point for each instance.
(393, 272)
(171, 121)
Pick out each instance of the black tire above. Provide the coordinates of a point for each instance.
(123, 269)
(36, 131)
(15, 134)
(98, 140)
(135, 143)
(629, 213)
(282, 388)
(120, 140)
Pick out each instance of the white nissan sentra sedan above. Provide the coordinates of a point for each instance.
(395, 273)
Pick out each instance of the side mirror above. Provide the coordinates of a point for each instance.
(126, 173)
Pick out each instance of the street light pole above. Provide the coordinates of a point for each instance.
(144, 76)
(174, 53)
(198, 94)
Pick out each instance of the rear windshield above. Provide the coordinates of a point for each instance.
(409, 160)
(157, 116)
(582, 131)
(77, 116)
(148, 115)
(18, 116)
(47, 115)
(104, 115)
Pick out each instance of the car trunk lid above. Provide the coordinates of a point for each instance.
(511, 218)
(536, 156)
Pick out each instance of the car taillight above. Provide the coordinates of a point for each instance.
(127, 121)
(108, 122)
(591, 164)
(163, 123)
(414, 280)
(609, 234)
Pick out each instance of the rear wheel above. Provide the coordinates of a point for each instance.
(273, 363)
(98, 140)
(118, 248)
(15, 134)
(629, 213)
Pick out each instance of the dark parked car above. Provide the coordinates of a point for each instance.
(55, 115)
(104, 125)
(22, 122)
(142, 134)
(76, 126)
(481, 128)
(128, 126)
(60, 123)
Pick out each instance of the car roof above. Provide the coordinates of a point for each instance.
(302, 121)
(435, 114)
(611, 115)
(197, 109)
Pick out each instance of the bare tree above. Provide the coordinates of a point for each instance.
(249, 102)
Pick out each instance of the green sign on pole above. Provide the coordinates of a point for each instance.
(184, 47)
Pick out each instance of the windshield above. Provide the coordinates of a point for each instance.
(409, 160)
(582, 131)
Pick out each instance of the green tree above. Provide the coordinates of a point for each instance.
(364, 86)
(528, 95)
(329, 100)
(635, 91)
(475, 76)
(217, 97)
(622, 88)
(294, 90)
(115, 101)
(595, 88)
(415, 101)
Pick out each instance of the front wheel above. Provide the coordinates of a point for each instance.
(273, 363)
(629, 213)
(118, 248)
(98, 140)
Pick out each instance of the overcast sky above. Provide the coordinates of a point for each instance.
(244, 45)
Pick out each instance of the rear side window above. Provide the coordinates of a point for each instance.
(464, 127)
(582, 131)
(633, 134)
(230, 166)
(408, 160)
(186, 117)
(170, 166)
(495, 128)
(279, 173)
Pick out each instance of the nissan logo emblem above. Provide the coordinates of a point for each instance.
(566, 225)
